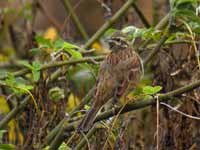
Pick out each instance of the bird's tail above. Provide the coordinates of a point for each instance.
(88, 120)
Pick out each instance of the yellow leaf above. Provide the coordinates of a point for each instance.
(3, 58)
(99, 48)
(51, 34)
(72, 102)
(4, 108)
(11, 131)
(20, 135)
(12, 125)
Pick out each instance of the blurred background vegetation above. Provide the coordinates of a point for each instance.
(50, 51)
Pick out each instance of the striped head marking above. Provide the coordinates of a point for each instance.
(118, 41)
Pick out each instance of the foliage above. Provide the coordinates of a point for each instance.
(56, 94)
(35, 68)
(59, 91)
(18, 85)
(185, 9)
(150, 90)
(5, 146)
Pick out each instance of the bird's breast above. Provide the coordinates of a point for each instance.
(115, 57)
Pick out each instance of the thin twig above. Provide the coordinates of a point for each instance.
(86, 139)
(51, 19)
(141, 15)
(14, 112)
(53, 133)
(138, 104)
(180, 112)
(159, 26)
(157, 122)
(156, 49)
(88, 136)
(58, 139)
(58, 64)
(108, 23)
(78, 24)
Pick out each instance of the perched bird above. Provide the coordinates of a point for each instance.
(119, 72)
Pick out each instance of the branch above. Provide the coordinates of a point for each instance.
(159, 26)
(138, 104)
(58, 64)
(141, 15)
(88, 136)
(56, 129)
(51, 19)
(60, 126)
(156, 49)
(58, 139)
(13, 113)
(78, 24)
(109, 23)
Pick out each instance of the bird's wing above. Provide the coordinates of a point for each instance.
(132, 71)
(106, 84)
(103, 92)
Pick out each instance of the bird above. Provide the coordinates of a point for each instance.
(119, 72)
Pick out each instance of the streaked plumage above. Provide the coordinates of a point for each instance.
(120, 71)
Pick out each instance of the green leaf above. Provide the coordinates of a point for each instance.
(134, 32)
(35, 51)
(86, 107)
(44, 43)
(75, 54)
(61, 44)
(36, 65)
(36, 75)
(64, 146)
(68, 47)
(183, 4)
(36, 70)
(1, 134)
(26, 64)
(189, 14)
(7, 147)
(186, 2)
(56, 94)
(46, 148)
(17, 85)
(150, 90)
(137, 91)
(109, 32)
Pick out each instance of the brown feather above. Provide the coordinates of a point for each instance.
(120, 70)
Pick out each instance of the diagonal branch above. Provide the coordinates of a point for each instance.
(141, 15)
(58, 64)
(75, 18)
(138, 105)
(13, 112)
(109, 23)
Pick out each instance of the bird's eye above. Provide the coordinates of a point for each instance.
(118, 40)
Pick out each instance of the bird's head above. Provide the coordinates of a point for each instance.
(118, 41)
